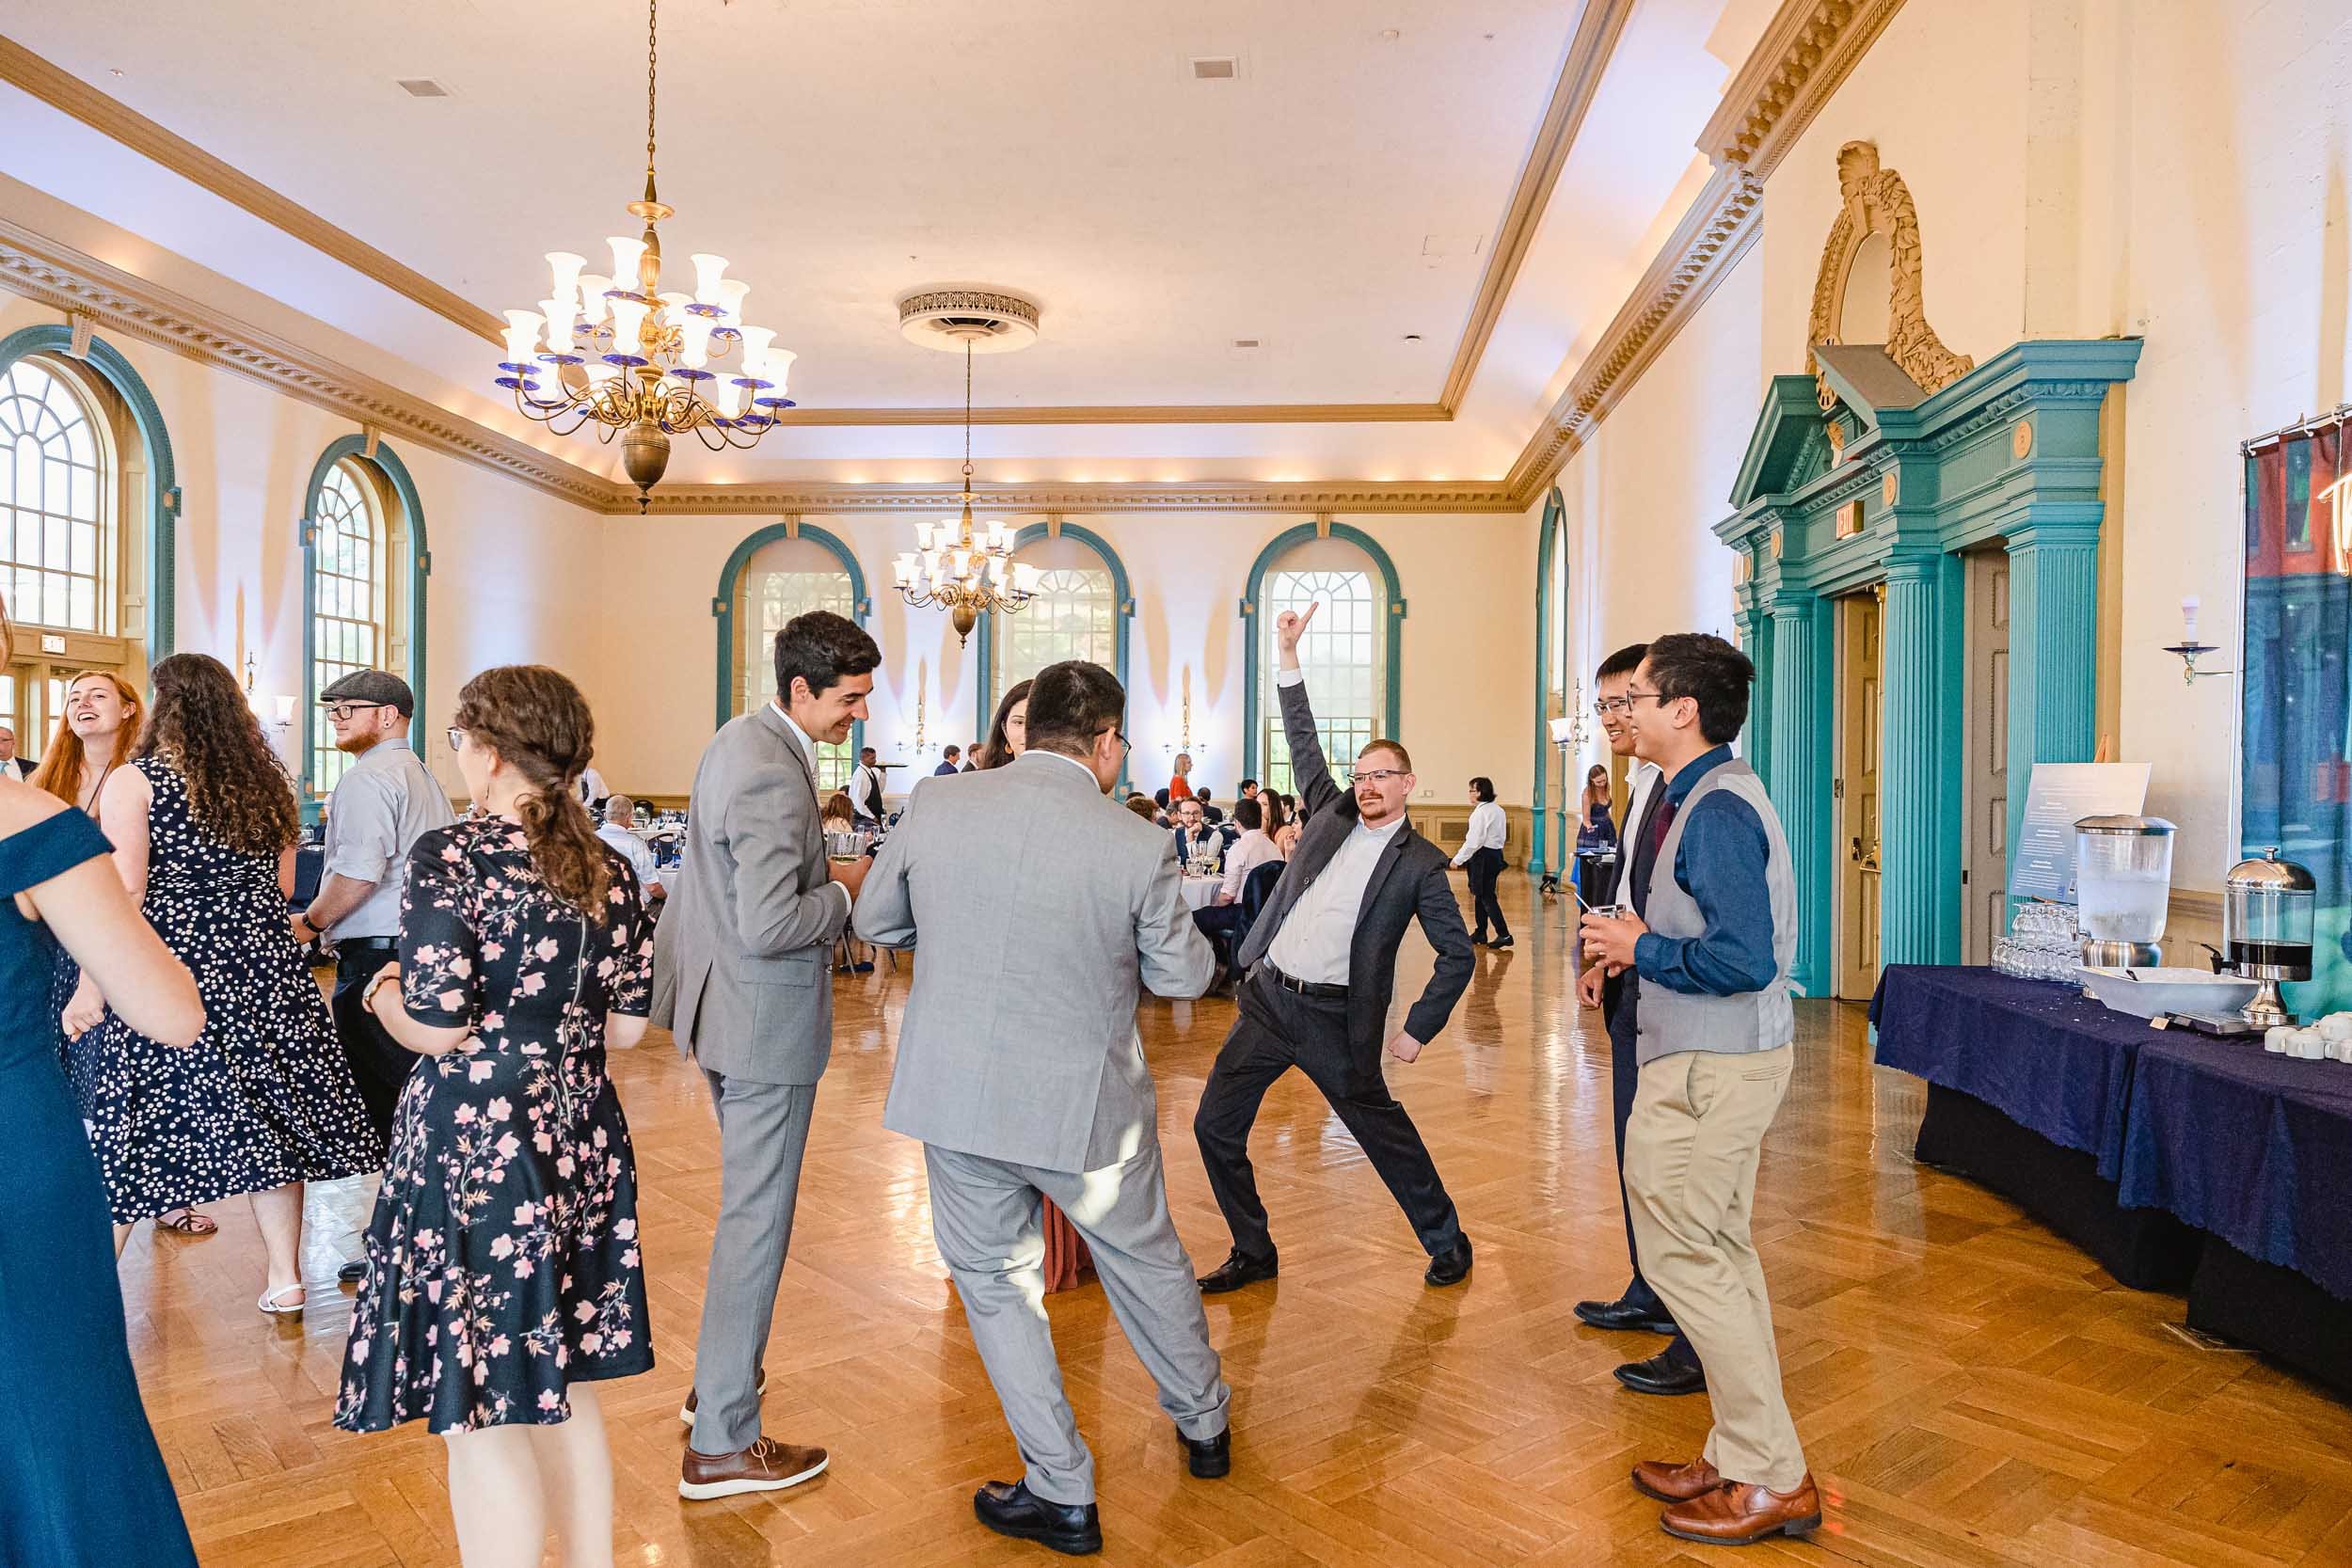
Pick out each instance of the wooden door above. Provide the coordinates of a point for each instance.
(1860, 722)
(1985, 848)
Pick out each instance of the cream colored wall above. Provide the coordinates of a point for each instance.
(1469, 644)
(515, 575)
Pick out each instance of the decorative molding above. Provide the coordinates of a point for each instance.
(69, 95)
(1581, 73)
(1353, 496)
(1805, 56)
(1878, 202)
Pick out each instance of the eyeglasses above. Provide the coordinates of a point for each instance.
(1658, 697)
(1125, 744)
(341, 711)
(1377, 775)
(1607, 706)
(456, 739)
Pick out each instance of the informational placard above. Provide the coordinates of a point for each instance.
(2062, 795)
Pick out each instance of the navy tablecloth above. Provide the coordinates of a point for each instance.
(2039, 1053)
(2254, 1147)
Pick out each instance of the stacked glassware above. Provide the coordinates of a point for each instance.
(2043, 944)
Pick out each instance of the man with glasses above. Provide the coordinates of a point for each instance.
(1321, 959)
(1713, 934)
(385, 801)
(1674, 1370)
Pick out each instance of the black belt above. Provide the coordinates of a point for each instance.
(367, 945)
(1304, 988)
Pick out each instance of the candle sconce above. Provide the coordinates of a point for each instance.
(1567, 731)
(2190, 649)
(1184, 741)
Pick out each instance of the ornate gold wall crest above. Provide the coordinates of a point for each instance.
(1878, 202)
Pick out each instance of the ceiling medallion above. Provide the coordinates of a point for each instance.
(955, 566)
(640, 364)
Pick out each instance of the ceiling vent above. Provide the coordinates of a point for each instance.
(990, 321)
(1215, 68)
(423, 86)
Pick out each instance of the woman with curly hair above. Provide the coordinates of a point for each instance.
(203, 827)
(504, 1279)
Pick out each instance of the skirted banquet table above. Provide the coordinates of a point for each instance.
(2173, 1158)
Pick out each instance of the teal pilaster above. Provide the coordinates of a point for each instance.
(1546, 840)
(1911, 765)
(1752, 628)
(2053, 647)
(1797, 768)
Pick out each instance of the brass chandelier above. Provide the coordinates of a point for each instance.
(639, 364)
(955, 568)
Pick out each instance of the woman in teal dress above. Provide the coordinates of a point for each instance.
(81, 1482)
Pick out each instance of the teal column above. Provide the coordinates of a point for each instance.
(2053, 649)
(1752, 628)
(1796, 768)
(1913, 779)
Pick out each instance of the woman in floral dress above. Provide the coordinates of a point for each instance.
(503, 1272)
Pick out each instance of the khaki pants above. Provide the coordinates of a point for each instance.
(1691, 1148)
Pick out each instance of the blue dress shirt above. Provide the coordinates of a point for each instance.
(1721, 865)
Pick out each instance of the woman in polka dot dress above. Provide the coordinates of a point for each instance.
(204, 825)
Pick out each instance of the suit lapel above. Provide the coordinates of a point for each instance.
(793, 748)
(1387, 863)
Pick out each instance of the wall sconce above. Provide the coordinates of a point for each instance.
(2189, 648)
(1184, 741)
(1567, 731)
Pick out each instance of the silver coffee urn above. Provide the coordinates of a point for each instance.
(2268, 909)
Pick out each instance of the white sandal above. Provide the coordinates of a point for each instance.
(278, 1308)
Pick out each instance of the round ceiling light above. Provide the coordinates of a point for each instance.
(985, 320)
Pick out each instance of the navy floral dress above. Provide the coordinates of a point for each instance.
(503, 1259)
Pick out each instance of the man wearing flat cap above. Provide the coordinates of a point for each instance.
(383, 802)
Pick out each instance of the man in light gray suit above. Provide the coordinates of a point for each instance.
(1043, 909)
(739, 975)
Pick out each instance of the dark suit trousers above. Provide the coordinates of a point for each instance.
(1485, 871)
(379, 1062)
(1624, 1078)
(1275, 1031)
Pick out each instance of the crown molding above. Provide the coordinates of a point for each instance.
(1586, 62)
(1354, 496)
(120, 302)
(1805, 56)
(1581, 73)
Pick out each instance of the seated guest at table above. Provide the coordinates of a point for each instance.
(1249, 790)
(839, 815)
(949, 759)
(1247, 852)
(620, 813)
(1209, 808)
(1195, 839)
(1141, 805)
(1713, 934)
(15, 767)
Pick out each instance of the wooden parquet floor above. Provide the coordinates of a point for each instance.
(1971, 1391)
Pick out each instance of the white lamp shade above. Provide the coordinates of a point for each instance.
(709, 271)
(523, 336)
(628, 324)
(727, 397)
(780, 368)
(755, 342)
(731, 292)
(901, 570)
(1025, 577)
(625, 252)
(695, 348)
(1562, 731)
(565, 267)
(593, 305)
(923, 537)
(673, 307)
(559, 311)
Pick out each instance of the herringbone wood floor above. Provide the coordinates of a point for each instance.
(1971, 1391)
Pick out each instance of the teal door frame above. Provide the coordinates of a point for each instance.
(1122, 622)
(723, 608)
(1252, 656)
(394, 473)
(2007, 455)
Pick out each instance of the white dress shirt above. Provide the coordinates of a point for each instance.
(1487, 830)
(636, 851)
(1314, 942)
(1246, 854)
(808, 750)
(860, 792)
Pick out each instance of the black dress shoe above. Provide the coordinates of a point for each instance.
(353, 1271)
(1236, 1272)
(1009, 1507)
(1663, 1374)
(1452, 1266)
(1617, 1314)
(1210, 1457)
(1502, 942)
(1478, 939)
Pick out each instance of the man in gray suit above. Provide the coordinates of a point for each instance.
(1321, 959)
(739, 977)
(1042, 909)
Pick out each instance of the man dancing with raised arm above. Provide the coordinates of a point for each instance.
(1320, 961)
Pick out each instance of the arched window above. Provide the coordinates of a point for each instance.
(346, 595)
(72, 446)
(1350, 652)
(1081, 609)
(786, 569)
(364, 565)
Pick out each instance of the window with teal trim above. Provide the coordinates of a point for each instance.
(1341, 655)
(347, 599)
(56, 504)
(1070, 616)
(781, 581)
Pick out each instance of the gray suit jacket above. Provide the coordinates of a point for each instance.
(1043, 911)
(1409, 883)
(739, 959)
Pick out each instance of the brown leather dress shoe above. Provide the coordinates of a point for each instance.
(1737, 1513)
(766, 1465)
(1676, 1483)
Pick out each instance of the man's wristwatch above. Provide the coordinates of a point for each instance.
(308, 925)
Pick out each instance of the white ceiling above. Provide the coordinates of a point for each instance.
(842, 153)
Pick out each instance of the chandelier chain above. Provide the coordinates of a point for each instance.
(651, 61)
(967, 415)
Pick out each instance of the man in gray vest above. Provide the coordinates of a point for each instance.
(1043, 909)
(1712, 937)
